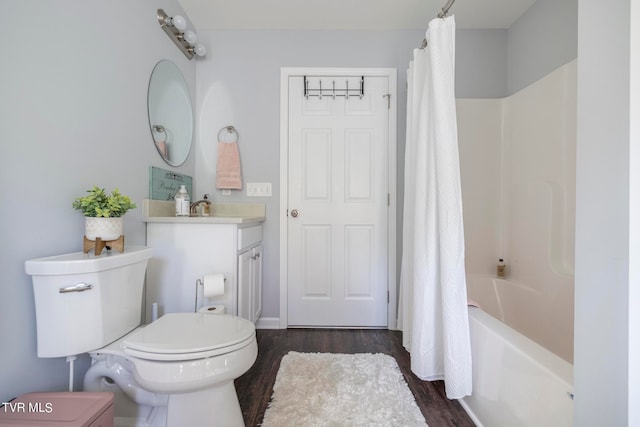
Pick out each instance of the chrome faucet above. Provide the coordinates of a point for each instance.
(194, 206)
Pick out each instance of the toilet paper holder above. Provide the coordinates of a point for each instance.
(200, 282)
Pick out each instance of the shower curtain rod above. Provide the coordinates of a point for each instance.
(445, 9)
(443, 14)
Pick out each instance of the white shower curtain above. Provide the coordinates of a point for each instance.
(433, 296)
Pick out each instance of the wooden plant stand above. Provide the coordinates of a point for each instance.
(98, 245)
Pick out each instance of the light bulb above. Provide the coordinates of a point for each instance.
(190, 36)
(200, 50)
(179, 22)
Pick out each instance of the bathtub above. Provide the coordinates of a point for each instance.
(516, 381)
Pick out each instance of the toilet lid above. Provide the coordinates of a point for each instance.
(175, 335)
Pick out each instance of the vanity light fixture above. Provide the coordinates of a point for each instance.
(176, 29)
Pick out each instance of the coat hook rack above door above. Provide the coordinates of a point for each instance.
(333, 92)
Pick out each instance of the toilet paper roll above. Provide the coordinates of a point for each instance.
(212, 309)
(213, 285)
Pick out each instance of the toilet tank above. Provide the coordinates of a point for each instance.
(84, 302)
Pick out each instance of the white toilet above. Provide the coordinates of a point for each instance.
(176, 371)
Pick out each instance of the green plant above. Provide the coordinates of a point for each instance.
(100, 204)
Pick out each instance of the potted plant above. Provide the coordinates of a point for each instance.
(103, 213)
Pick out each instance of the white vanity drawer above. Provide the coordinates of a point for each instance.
(249, 236)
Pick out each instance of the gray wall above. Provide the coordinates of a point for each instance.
(240, 77)
(73, 114)
(606, 332)
(481, 63)
(543, 39)
(240, 80)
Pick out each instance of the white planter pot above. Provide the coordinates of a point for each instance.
(104, 228)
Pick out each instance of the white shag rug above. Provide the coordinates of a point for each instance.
(326, 389)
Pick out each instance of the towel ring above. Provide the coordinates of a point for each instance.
(231, 130)
(159, 129)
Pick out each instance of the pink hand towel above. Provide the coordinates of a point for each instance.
(228, 174)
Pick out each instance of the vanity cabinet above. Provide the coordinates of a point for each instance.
(183, 253)
(250, 283)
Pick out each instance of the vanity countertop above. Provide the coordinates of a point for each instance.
(221, 213)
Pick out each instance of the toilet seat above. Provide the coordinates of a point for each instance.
(189, 336)
(183, 352)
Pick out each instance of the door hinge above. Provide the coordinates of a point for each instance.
(388, 298)
(388, 96)
(388, 199)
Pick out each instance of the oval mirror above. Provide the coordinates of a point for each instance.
(170, 113)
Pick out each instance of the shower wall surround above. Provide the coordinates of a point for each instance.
(518, 162)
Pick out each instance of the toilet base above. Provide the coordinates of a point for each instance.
(214, 406)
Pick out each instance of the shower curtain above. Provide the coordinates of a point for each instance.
(433, 296)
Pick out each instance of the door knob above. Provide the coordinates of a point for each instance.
(294, 213)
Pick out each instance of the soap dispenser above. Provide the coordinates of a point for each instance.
(206, 207)
(183, 202)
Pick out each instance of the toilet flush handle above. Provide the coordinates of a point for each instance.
(80, 287)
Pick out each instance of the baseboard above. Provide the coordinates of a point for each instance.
(469, 412)
(274, 323)
(268, 323)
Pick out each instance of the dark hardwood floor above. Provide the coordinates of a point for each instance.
(254, 388)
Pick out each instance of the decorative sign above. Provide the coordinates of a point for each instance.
(164, 184)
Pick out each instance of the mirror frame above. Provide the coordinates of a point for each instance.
(170, 113)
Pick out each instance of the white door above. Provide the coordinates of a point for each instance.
(338, 196)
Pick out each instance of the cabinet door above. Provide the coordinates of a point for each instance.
(184, 253)
(244, 285)
(256, 283)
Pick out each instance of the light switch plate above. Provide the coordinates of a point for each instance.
(258, 189)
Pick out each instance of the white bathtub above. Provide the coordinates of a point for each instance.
(516, 382)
